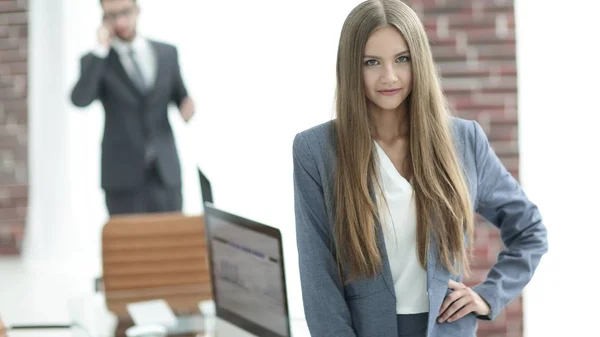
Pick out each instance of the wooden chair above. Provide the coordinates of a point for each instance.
(153, 256)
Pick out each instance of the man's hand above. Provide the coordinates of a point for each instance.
(187, 109)
(460, 302)
(105, 33)
(2, 329)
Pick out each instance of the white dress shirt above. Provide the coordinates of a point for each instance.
(144, 53)
(399, 221)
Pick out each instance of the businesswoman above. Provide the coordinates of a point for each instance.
(385, 196)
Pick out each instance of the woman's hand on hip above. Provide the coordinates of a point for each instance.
(461, 302)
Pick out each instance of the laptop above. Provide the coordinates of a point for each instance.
(247, 276)
(205, 188)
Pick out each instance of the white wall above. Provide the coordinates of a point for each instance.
(259, 71)
(559, 120)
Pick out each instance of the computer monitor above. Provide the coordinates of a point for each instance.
(247, 275)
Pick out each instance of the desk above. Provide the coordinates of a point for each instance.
(91, 318)
(50, 295)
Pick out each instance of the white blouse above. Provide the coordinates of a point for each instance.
(399, 221)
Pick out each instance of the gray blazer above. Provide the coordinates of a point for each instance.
(367, 307)
(134, 121)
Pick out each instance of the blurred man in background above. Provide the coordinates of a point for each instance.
(135, 79)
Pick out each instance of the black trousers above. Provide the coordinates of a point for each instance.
(412, 325)
(152, 197)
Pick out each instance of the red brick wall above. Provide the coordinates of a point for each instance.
(13, 124)
(473, 42)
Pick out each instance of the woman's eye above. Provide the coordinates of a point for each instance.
(403, 59)
(371, 63)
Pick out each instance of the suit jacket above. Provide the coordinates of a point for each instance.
(133, 120)
(367, 307)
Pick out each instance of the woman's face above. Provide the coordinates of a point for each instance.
(387, 72)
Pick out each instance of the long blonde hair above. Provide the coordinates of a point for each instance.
(442, 198)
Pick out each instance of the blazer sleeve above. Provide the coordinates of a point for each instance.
(179, 92)
(503, 203)
(89, 85)
(325, 307)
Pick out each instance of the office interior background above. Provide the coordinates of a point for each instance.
(261, 71)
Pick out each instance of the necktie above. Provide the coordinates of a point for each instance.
(137, 75)
(138, 79)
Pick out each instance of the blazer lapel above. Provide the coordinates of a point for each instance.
(115, 61)
(437, 282)
(435, 269)
(432, 258)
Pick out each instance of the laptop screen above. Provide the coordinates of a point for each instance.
(205, 188)
(247, 273)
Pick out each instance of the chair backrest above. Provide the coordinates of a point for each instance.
(153, 256)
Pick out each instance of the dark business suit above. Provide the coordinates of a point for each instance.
(140, 165)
